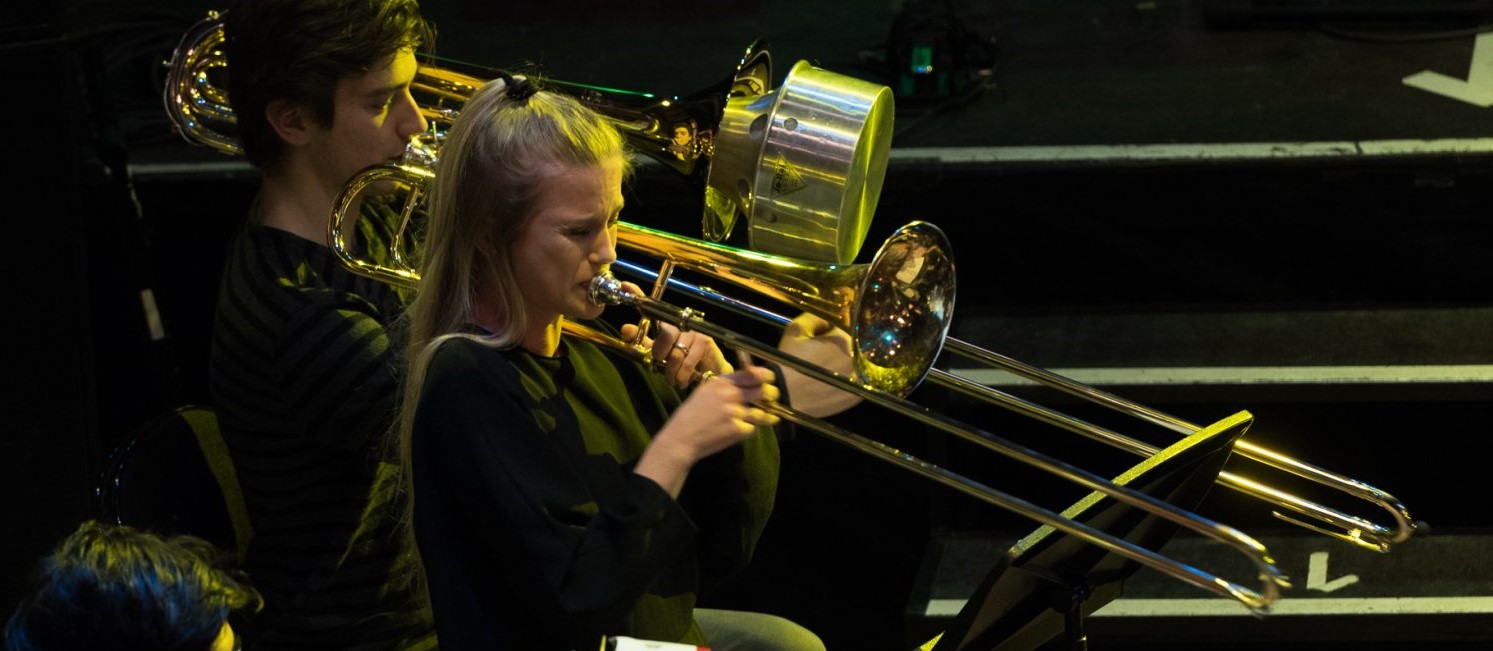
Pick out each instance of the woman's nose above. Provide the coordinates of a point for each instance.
(605, 251)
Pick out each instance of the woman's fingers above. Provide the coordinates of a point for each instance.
(633, 288)
(719, 413)
(765, 393)
(697, 355)
(629, 331)
(687, 357)
(756, 384)
(748, 417)
(757, 416)
(684, 360)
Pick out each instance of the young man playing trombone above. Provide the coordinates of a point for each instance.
(302, 370)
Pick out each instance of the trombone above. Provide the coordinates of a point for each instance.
(1329, 521)
(902, 304)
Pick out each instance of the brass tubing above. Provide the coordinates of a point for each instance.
(1355, 530)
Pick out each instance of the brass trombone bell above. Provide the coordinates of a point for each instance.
(198, 109)
(897, 308)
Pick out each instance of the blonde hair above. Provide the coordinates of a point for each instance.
(495, 160)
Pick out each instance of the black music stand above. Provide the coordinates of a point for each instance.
(1047, 582)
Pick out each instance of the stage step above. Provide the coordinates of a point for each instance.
(1431, 592)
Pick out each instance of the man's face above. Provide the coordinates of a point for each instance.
(373, 119)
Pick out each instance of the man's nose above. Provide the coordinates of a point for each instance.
(411, 121)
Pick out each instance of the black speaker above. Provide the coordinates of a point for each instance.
(48, 441)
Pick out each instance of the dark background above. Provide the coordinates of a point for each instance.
(1313, 212)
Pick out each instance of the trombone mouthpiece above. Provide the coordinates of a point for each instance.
(422, 150)
(607, 290)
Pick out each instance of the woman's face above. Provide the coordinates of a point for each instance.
(569, 239)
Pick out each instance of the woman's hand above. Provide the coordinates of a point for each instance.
(718, 414)
(815, 340)
(683, 357)
(724, 410)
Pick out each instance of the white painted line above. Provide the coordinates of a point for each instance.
(1435, 146)
(1055, 154)
(1138, 152)
(1283, 608)
(1194, 151)
(1476, 90)
(1236, 375)
(227, 166)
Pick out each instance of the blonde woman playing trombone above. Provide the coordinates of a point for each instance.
(562, 493)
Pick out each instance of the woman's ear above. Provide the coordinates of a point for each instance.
(291, 121)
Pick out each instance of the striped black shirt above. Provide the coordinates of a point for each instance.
(304, 380)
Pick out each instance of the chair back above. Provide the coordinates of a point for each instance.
(173, 475)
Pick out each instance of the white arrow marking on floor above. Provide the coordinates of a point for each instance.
(1476, 90)
(1316, 575)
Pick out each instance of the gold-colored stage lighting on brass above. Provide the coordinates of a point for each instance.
(909, 322)
(806, 157)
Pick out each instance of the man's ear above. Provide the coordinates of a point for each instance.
(291, 121)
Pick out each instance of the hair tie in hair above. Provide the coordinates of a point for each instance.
(518, 88)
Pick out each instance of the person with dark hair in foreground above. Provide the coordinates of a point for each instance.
(115, 587)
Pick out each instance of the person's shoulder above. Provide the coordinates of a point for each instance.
(463, 363)
(466, 354)
(269, 247)
(265, 277)
(312, 287)
(268, 260)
